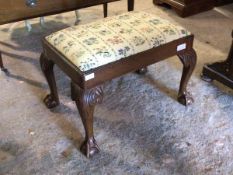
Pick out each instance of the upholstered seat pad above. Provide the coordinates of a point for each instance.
(108, 40)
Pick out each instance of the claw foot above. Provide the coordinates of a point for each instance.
(77, 22)
(77, 17)
(185, 99)
(90, 147)
(206, 78)
(142, 71)
(4, 70)
(50, 102)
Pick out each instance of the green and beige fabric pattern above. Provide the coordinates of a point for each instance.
(105, 41)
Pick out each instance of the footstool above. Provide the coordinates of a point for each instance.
(94, 53)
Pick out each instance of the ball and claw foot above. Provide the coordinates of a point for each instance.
(77, 22)
(90, 147)
(185, 99)
(4, 70)
(206, 78)
(50, 102)
(142, 71)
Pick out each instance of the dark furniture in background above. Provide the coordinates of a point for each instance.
(223, 2)
(220, 71)
(17, 10)
(186, 8)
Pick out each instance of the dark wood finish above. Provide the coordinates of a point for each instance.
(223, 2)
(142, 71)
(87, 93)
(130, 5)
(189, 61)
(186, 8)
(86, 99)
(17, 10)
(110, 71)
(51, 100)
(105, 5)
(220, 71)
(1, 62)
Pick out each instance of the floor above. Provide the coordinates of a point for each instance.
(140, 127)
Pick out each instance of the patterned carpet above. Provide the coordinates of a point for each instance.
(140, 127)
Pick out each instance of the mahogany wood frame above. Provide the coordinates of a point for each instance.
(220, 71)
(185, 8)
(223, 2)
(87, 94)
(13, 16)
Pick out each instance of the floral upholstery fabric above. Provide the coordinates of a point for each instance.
(108, 40)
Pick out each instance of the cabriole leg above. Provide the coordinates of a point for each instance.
(51, 100)
(188, 58)
(86, 99)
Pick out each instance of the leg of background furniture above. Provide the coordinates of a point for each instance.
(142, 71)
(105, 5)
(51, 100)
(77, 17)
(221, 71)
(28, 26)
(205, 77)
(130, 5)
(86, 101)
(42, 22)
(1, 64)
(156, 2)
(188, 58)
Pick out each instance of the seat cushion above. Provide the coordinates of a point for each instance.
(105, 41)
